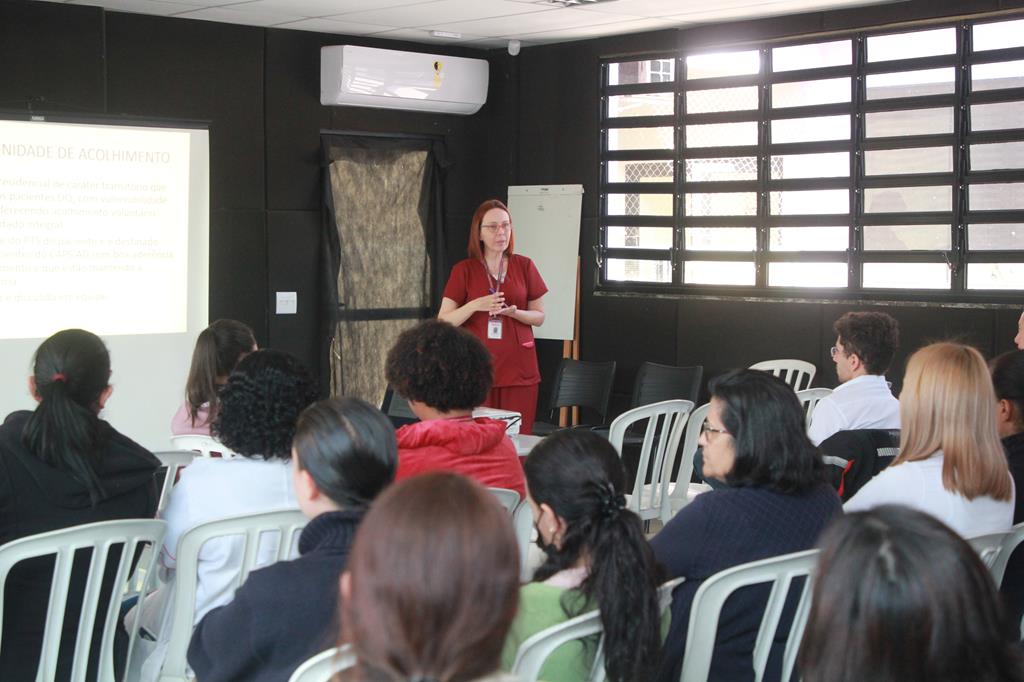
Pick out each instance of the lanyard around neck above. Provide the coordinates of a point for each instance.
(501, 275)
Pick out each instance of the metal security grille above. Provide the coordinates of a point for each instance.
(867, 165)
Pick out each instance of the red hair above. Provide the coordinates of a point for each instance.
(474, 249)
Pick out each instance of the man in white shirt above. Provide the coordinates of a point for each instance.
(865, 345)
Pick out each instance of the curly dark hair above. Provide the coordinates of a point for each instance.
(261, 403)
(874, 337)
(444, 367)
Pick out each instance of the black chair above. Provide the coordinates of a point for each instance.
(579, 384)
(856, 456)
(655, 383)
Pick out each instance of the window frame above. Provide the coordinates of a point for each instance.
(960, 180)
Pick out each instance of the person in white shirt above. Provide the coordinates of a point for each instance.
(951, 463)
(259, 408)
(865, 345)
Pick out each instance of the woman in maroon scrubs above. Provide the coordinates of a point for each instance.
(498, 296)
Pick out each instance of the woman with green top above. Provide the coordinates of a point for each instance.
(597, 558)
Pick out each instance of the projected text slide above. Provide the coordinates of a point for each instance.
(93, 229)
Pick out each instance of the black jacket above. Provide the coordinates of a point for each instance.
(35, 498)
(1013, 581)
(282, 615)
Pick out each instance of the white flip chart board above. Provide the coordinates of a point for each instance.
(546, 225)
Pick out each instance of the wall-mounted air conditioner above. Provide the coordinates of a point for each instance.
(390, 79)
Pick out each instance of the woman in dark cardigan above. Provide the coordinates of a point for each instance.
(62, 466)
(775, 502)
(344, 453)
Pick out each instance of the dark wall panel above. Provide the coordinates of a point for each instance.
(293, 242)
(59, 68)
(238, 268)
(176, 68)
(294, 119)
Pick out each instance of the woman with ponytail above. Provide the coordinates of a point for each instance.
(61, 466)
(218, 349)
(597, 557)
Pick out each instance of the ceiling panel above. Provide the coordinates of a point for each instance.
(482, 23)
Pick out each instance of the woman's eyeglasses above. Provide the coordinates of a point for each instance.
(706, 428)
(494, 226)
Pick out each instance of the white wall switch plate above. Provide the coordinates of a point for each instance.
(287, 302)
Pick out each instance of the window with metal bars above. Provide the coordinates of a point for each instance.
(871, 165)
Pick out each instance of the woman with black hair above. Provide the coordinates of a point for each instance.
(597, 557)
(900, 597)
(344, 453)
(1008, 380)
(218, 349)
(775, 502)
(61, 466)
(260, 405)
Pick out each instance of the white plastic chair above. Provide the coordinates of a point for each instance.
(522, 522)
(509, 498)
(793, 372)
(325, 665)
(681, 490)
(128, 535)
(666, 421)
(285, 524)
(534, 651)
(995, 549)
(712, 594)
(809, 399)
(207, 446)
(173, 460)
(1013, 538)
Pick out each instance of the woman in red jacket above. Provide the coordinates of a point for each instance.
(498, 296)
(444, 372)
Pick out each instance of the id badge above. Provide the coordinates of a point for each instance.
(494, 328)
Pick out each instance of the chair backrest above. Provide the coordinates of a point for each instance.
(128, 536)
(854, 457)
(324, 666)
(706, 609)
(174, 460)
(655, 383)
(285, 525)
(992, 548)
(533, 652)
(681, 480)
(809, 399)
(509, 498)
(207, 446)
(522, 522)
(797, 373)
(583, 384)
(658, 453)
(1014, 538)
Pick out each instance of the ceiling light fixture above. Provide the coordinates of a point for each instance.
(573, 3)
(446, 34)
